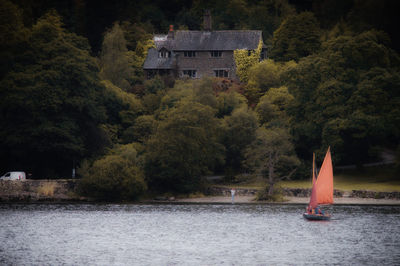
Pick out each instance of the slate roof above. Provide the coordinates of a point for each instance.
(154, 62)
(228, 40)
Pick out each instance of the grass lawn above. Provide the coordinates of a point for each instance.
(382, 179)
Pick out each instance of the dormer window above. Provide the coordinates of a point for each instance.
(189, 53)
(216, 53)
(164, 53)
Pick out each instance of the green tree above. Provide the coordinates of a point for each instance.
(184, 147)
(227, 102)
(154, 91)
(204, 93)
(182, 89)
(135, 33)
(138, 42)
(126, 100)
(339, 95)
(239, 131)
(115, 64)
(272, 108)
(272, 156)
(263, 76)
(298, 36)
(13, 36)
(51, 104)
(268, 15)
(378, 95)
(124, 108)
(141, 130)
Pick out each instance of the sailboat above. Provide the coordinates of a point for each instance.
(322, 190)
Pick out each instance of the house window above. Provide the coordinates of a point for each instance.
(190, 73)
(189, 53)
(221, 73)
(216, 53)
(164, 54)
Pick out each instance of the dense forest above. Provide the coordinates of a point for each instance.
(73, 93)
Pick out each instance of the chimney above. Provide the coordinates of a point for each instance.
(171, 32)
(207, 20)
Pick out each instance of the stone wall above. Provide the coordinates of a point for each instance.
(38, 190)
(373, 194)
(305, 192)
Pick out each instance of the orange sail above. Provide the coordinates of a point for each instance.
(313, 199)
(324, 183)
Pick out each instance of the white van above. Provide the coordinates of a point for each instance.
(13, 176)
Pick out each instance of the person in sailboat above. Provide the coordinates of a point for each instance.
(317, 210)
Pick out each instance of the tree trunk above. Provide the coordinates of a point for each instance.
(271, 189)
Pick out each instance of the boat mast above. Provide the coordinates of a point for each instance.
(313, 168)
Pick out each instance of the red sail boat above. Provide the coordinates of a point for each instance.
(322, 190)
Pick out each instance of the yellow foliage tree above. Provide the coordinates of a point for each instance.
(245, 59)
(138, 57)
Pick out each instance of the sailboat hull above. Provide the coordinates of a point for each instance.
(317, 217)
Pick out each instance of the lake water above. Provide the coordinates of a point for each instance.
(196, 234)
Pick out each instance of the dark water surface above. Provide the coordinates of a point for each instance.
(91, 234)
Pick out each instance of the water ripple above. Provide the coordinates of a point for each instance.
(118, 234)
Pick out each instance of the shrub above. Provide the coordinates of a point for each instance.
(277, 196)
(47, 189)
(114, 177)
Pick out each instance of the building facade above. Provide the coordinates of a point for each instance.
(197, 54)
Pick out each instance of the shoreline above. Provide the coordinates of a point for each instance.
(63, 191)
(213, 200)
(288, 200)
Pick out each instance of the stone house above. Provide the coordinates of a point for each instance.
(199, 53)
